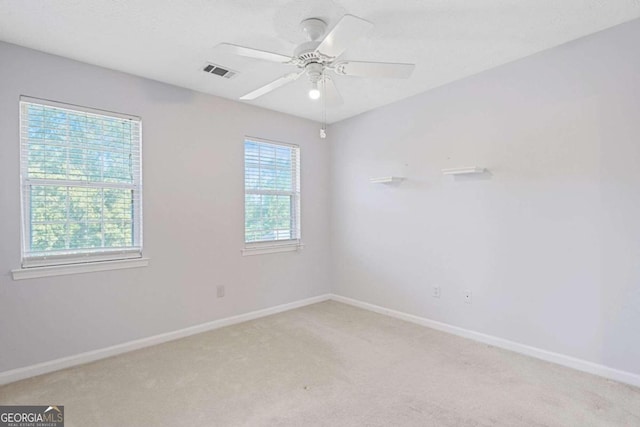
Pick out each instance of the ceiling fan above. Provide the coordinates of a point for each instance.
(319, 56)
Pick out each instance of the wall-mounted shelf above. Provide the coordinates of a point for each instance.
(387, 180)
(464, 171)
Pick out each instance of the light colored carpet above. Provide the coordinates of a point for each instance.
(328, 364)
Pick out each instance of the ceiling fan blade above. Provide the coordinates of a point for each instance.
(331, 95)
(271, 86)
(254, 53)
(347, 30)
(374, 69)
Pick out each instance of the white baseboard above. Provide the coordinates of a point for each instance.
(560, 359)
(79, 359)
(91, 356)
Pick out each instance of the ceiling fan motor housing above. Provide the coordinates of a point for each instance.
(306, 53)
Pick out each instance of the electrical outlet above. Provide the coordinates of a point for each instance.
(220, 291)
(435, 292)
(467, 296)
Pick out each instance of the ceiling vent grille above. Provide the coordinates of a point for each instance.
(217, 70)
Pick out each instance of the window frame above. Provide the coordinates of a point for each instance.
(68, 260)
(282, 245)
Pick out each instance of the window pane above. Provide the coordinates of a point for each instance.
(47, 237)
(79, 146)
(80, 218)
(268, 217)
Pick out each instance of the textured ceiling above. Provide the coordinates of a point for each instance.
(170, 40)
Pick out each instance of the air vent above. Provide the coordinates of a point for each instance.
(219, 71)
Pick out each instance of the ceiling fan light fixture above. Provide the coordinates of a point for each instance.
(314, 92)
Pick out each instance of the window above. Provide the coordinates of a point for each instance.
(272, 192)
(81, 184)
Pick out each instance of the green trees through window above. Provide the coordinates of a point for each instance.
(81, 181)
(272, 191)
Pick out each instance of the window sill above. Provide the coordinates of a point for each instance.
(271, 248)
(88, 267)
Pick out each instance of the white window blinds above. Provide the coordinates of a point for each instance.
(272, 191)
(81, 184)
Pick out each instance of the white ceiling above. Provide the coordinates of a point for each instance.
(170, 40)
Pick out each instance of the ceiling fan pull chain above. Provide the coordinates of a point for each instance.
(323, 128)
